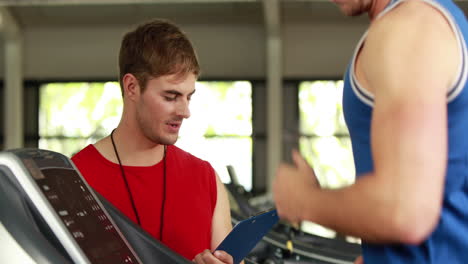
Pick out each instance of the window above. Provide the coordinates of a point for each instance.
(324, 139)
(220, 128)
(73, 115)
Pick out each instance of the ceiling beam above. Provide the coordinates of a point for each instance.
(109, 2)
(117, 2)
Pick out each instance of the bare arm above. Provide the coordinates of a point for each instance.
(221, 226)
(222, 216)
(408, 62)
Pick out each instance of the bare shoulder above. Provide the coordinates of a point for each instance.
(103, 146)
(409, 43)
(412, 16)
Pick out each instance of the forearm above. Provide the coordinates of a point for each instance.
(375, 213)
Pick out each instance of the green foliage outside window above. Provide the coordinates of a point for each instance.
(220, 128)
(73, 115)
(325, 141)
(324, 137)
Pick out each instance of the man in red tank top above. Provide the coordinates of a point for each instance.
(138, 169)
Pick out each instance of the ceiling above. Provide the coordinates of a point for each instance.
(50, 13)
(54, 13)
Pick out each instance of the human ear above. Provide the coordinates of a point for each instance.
(131, 86)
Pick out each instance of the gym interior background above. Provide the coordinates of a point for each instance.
(271, 79)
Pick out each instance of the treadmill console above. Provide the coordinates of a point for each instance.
(63, 199)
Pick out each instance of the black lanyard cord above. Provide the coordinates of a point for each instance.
(130, 193)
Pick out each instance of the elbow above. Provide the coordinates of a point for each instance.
(414, 234)
(414, 225)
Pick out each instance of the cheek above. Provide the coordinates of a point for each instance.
(149, 110)
(154, 105)
(161, 111)
(161, 108)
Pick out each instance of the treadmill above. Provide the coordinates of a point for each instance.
(49, 214)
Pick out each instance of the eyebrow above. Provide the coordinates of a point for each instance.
(174, 92)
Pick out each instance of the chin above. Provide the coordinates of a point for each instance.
(168, 140)
(164, 140)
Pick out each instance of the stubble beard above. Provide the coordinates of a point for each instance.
(159, 138)
(154, 136)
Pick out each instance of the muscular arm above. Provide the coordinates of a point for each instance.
(409, 62)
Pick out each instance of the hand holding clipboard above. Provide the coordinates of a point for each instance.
(247, 233)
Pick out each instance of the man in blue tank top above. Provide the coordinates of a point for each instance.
(406, 106)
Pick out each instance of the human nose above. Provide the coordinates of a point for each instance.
(183, 109)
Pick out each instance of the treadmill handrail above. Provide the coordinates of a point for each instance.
(40, 202)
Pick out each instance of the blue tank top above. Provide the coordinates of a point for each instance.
(449, 241)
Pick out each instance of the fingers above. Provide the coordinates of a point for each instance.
(299, 161)
(303, 166)
(219, 256)
(223, 256)
(359, 260)
(198, 259)
(204, 257)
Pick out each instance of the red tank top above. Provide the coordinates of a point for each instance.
(190, 195)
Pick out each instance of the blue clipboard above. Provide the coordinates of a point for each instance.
(247, 233)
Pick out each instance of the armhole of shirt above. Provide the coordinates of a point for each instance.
(460, 79)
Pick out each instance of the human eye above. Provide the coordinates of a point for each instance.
(189, 97)
(170, 98)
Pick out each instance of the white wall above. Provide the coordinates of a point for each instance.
(225, 51)
(318, 50)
